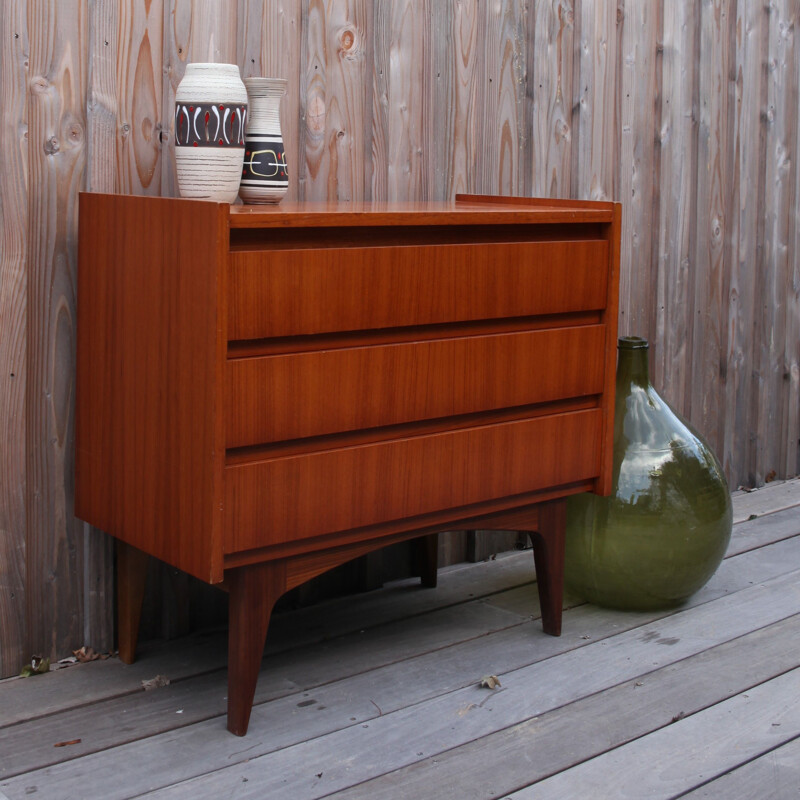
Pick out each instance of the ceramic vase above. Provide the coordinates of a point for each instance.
(665, 528)
(264, 176)
(210, 120)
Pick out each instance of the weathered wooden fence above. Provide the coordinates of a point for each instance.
(685, 110)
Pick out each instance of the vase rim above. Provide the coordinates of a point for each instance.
(266, 87)
(215, 64)
(261, 80)
(632, 343)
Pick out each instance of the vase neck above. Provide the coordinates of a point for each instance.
(632, 365)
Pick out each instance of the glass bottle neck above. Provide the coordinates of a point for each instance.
(632, 366)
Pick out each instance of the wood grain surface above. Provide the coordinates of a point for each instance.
(152, 347)
(143, 122)
(348, 488)
(708, 371)
(551, 28)
(706, 138)
(57, 84)
(370, 386)
(13, 337)
(357, 288)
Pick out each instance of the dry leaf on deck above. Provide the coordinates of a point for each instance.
(490, 681)
(155, 683)
(38, 666)
(86, 654)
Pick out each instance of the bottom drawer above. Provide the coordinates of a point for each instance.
(285, 499)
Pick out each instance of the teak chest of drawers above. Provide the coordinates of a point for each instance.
(266, 392)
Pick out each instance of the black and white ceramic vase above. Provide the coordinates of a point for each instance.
(264, 178)
(210, 120)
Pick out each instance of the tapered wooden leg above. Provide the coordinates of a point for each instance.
(253, 592)
(131, 575)
(548, 554)
(426, 555)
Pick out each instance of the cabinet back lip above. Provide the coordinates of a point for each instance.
(373, 214)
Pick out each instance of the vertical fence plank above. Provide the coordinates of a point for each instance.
(101, 125)
(456, 117)
(790, 424)
(594, 135)
(747, 199)
(101, 96)
(503, 129)
(456, 56)
(58, 66)
(313, 98)
(408, 86)
(639, 162)
(140, 128)
(674, 195)
(779, 120)
(712, 190)
(269, 46)
(13, 333)
(351, 92)
(378, 164)
(337, 74)
(550, 92)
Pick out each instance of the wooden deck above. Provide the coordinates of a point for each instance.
(378, 696)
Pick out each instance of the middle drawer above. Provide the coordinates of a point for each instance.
(296, 395)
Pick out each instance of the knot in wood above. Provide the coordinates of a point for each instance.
(349, 44)
(347, 39)
(39, 84)
(52, 146)
(75, 133)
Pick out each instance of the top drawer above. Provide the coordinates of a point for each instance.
(279, 293)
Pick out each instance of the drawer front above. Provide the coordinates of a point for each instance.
(277, 293)
(286, 499)
(297, 395)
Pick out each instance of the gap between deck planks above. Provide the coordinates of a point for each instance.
(777, 558)
(772, 776)
(349, 697)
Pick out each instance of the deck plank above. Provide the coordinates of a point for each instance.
(299, 669)
(393, 661)
(688, 753)
(535, 749)
(773, 776)
(204, 652)
(119, 720)
(428, 727)
(764, 529)
(201, 653)
(766, 500)
(436, 726)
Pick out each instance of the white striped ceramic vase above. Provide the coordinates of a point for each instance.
(264, 175)
(210, 120)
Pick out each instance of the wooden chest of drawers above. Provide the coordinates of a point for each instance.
(266, 392)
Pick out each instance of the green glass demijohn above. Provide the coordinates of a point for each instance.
(665, 528)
